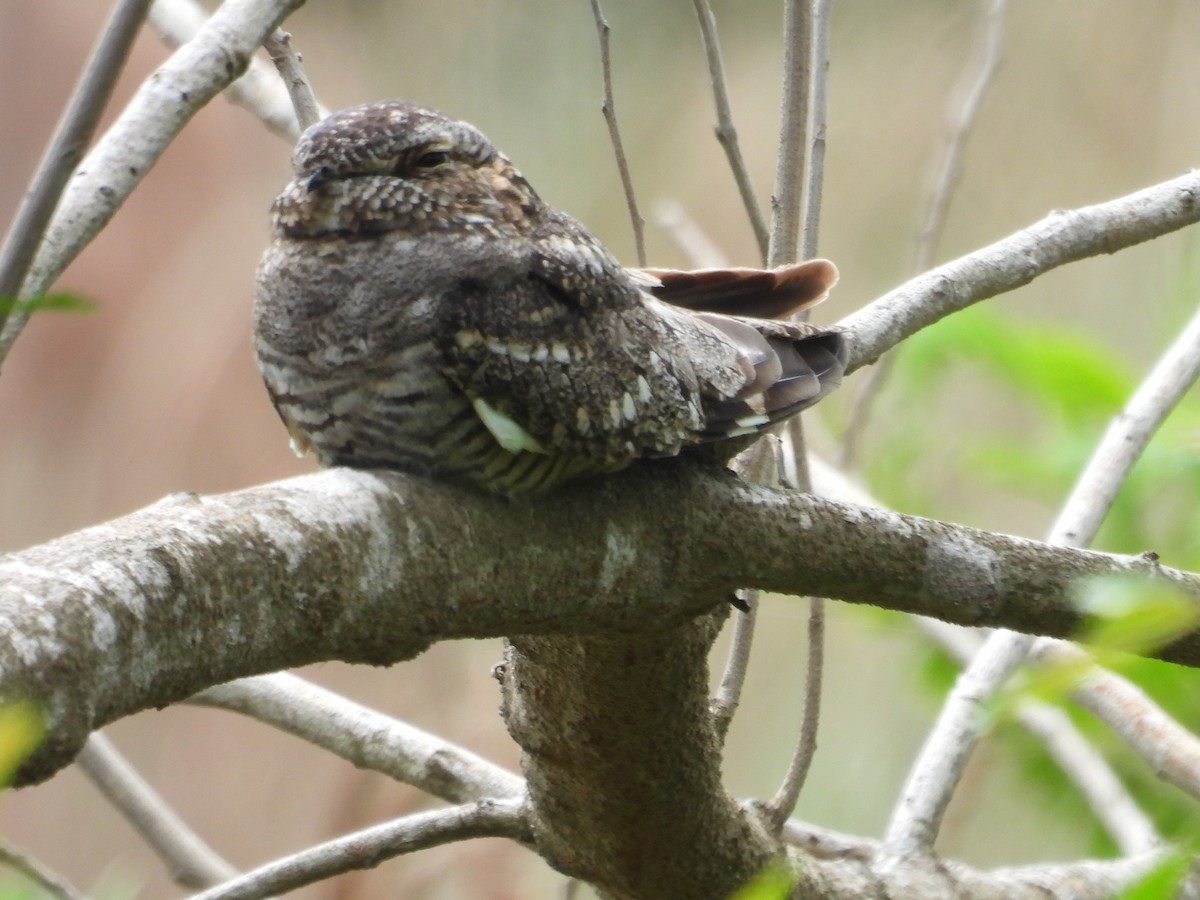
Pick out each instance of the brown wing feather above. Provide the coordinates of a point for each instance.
(795, 364)
(761, 293)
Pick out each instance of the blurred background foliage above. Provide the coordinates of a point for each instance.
(986, 419)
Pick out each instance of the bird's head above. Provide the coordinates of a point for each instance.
(394, 165)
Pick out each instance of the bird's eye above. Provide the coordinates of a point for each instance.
(431, 159)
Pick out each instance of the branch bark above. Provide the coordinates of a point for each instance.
(166, 101)
(374, 567)
(623, 762)
(1060, 238)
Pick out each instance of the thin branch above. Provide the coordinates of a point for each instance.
(917, 818)
(783, 804)
(799, 175)
(825, 843)
(368, 848)
(1171, 750)
(54, 885)
(729, 693)
(726, 132)
(814, 168)
(938, 768)
(988, 44)
(614, 134)
(1127, 436)
(948, 171)
(838, 867)
(259, 90)
(368, 739)
(66, 148)
(758, 465)
(291, 70)
(787, 200)
(1112, 805)
(190, 862)
(1060, 238)
(158, 111)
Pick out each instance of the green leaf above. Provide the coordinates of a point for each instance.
(1127, 614)
(46, 303)
(1163, 880)
(1069, 374)
(1123, 615)
(21, 730)
(772, 883)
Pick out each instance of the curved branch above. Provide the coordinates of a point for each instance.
(1062, 237)
(943, 758)
(165, 102)
(190, 861)
(368, 848)
(260, 89)
(74, 132)
(726, 132)
(368, 739)
(374, 567)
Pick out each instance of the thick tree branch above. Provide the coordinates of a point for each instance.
(374, 567)
(1062, 237)
(623, 764)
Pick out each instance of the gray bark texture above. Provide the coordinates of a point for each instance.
(612, 592)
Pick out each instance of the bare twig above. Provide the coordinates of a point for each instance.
(1062, 237)
(368, 848)
(53, 884)
(366, 738)
(291, 70)
(757, 465)
(726, 133)
(1127, 436)
(942, 185)
(614, 134)
(797, 198)
(260, 90)
(74, 133)
(784, 802)
(1112, 805)
(939, 767)
(962, 121)
(825, 843)
(190, 862)
(1170, 749)
(814, 169)
(158, 111)
(786, 203)
(729, 693)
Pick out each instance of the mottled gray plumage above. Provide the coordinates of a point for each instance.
(421, 308)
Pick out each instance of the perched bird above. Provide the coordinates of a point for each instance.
(421, 308)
